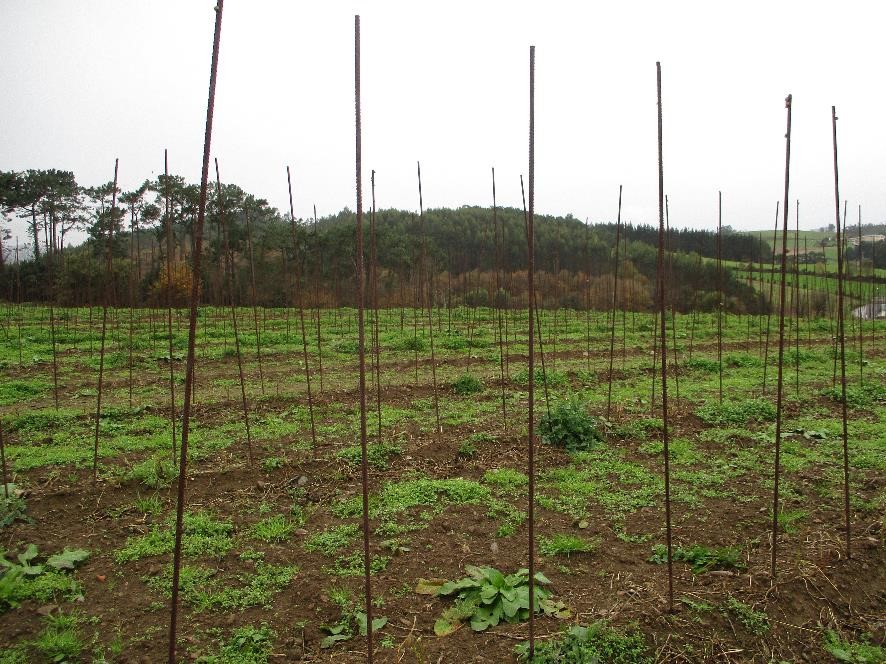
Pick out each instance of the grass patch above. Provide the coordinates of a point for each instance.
(737, 412)
(377, 454)
(562, 544)
(273, 529)
(332, 539)
(466, 385)
(202, 535)
(595, 644)
(702, 558)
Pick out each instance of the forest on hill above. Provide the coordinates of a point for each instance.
(454, 256)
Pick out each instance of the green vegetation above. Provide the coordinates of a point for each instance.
(586, 645)
(25, 578)
(330, 541)
(467, 384)
(756, 622)
(562, 544)
(702, 558)
(199, 587)
(487, 597)
(569, 426)
(739, 412)
(60, 641)
(857, 652)
(202, 535)
(377, 454)
(247, 645)
(273, 529)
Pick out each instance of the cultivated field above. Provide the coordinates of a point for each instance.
(272, 568)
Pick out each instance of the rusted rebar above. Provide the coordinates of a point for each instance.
(421, 279)
(229, 260)
(663, 342)
(720, 290)
(373, 285)
(253, 298)
(318, 271)
(106, 301)
(614, 305)
(531, 425)
(172, 416)
(498, 308)
(841, 333)
(192, 337)
(781, 310)
(3, 463)
(769, 302)
(299, 302)
(360, 270)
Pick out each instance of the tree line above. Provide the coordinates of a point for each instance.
(451, 256)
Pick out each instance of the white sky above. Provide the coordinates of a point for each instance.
(447, 84)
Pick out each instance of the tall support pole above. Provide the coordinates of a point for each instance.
(797, 300)
(781, 309)
(720, 289)
(229, 260)
(109, 267)
(318, 263)
(192, 338)
(360, 269)
(252, 294)
(663, 340)
(166, 196)
(769, 303)
(422, 270)
(373, 285)
(498, 309)
(861, 301)
(841, 333)
(530, 220)
(614, 305)
(299, 302)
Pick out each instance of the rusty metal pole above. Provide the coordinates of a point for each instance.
(229, 259)
(498, 308)
(360, 269)
(252, 294)
(614, 304)
(317, 273)
(531, 260)
(172, 416)
(769, 303)
(3, 463)
(720, 289)
(420, 283)
(192, 337)
(841, 333)
(781, 308)
(299, 302)
(663, 342)
(373, 285)
(106, 302)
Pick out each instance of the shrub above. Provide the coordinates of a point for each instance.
(467, 384)
(568, 425)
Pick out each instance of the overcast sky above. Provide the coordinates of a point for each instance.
(447, 84)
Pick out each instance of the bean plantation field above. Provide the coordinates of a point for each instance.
(272, 567)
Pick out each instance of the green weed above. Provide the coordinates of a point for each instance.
(570, 426)
(273, 529)
(565, 545)
(597, 643)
